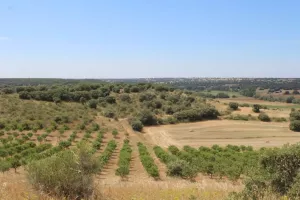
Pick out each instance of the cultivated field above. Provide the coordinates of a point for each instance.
(137, 185)
(135, 158)
(223, 132)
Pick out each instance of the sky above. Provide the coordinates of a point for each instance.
(149, 38)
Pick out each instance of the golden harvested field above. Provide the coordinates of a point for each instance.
(250, 100)
(275, 109)
(223, 132)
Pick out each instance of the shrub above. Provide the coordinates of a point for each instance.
(197, 114)
(148, 161)
(240, 117)
(181, 168)
(290, 99)
(1, 133)
(173, 150)
(110, 99)
(264, 117)
(104, 158)
(2, 125)
(294, 192)
(233, 105)
(295, 115)
(3, 153)
(15, 163)
(124, 160)
(115, 133)
(279, 119)
(92, 103)
(109, 113)
(137, 125)
(29, 134)
(295, 125)
(256, 108)
(163, 155)
(244, 105)
(147, 97)
(68, 173)
(278, 171)
(170, 120)
(134, 89)
(147, 118)
(4, 166)
(125, 98)
(222, 95)
(64, 144)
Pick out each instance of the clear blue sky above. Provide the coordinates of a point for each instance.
(149, 38)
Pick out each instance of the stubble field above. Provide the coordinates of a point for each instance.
(223, 132)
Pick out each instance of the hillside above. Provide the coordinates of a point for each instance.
(148, 141)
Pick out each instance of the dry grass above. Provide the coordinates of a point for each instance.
(15, 186)
(275, 109)
(152, 192)
(223, 132)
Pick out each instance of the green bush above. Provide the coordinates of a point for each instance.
(295, 125)
(278, 172)
(137, 125)
(256, 108)
(197, 114)
(68, 173)
(264, 117)
(222, 95)
(105, 156)
(109, 113)
(4, 166)
(2, 125)
(279, 119)
(92, 103)
(244, 105)
(163, 156)
(64, 144)
(125, 98)
(295, 115)
(294, 190)
(148, 161)
(124, 160)
(181, 168)
(173, 150)
(147, 118)
(241, 117)
(290, 99)
(95, 127)
(115, 133)
(1, 133)
(233, 105)
(170, 120)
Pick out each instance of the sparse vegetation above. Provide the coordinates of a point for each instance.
(105, 156)
(264, 117)
(277, 172)
(233, 105)
(137, 125)
(256, 108)
(124, 160)
(41, 126)
(68, 173)
(148, 161)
